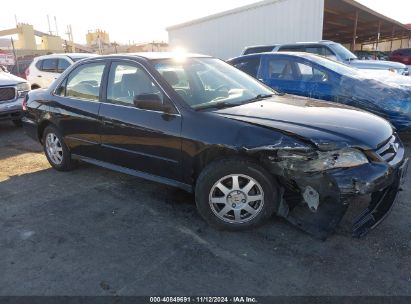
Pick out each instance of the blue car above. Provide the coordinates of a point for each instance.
(383, 93)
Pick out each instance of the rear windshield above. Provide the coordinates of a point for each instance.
(258, 49)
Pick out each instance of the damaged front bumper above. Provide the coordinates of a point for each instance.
(317, 202)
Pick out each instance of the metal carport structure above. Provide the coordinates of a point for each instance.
(349, 22)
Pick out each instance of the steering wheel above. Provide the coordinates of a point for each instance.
(219, 88)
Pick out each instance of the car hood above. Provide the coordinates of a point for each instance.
(327, 125)
(7, 79)
(376, 64)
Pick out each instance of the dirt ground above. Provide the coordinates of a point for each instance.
(96, 232)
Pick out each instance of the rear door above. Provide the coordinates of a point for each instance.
(76, 106)
(144, 140)
(249, 65)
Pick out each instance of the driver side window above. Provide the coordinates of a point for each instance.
(311, 74)
(127, 82)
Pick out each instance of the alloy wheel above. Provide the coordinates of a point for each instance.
(236, 198)
(54, 148)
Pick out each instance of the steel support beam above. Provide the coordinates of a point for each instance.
(354, 36)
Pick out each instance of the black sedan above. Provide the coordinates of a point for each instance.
(197, 123)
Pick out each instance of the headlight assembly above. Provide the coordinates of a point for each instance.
(22, 89)
(321, 161)
(346, 158)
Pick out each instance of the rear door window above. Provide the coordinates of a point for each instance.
(292, 48)
(406, 52)
(84, 82)
(50, 65)
(63, 64)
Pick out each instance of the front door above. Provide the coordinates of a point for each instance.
(278, 73)
(144, 140)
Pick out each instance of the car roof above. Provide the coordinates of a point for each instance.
(70, 55)
(280, 54)
(160, 55)
(261, 45)
(323, 42)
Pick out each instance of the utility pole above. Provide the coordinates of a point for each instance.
(48, 21)
(55, 22)
(15, 57)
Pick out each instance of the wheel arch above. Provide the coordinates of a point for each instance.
(42, 126)
(216, 153)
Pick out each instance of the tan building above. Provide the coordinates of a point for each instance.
(51, 43)
(148, 47)
(97, 37)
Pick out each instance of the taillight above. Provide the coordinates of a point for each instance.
(24, 103)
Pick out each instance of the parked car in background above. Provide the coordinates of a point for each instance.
(13, 89)
(321, 78)
(336, 52)
(372, 55)
(260, 49)
(197, 123)
(402, 55)
(23, 64)
(43, 70)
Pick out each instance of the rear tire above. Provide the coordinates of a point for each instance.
(56, 150)
(236, 194)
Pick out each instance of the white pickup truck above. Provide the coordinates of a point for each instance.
(13, 89)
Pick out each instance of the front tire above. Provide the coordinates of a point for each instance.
(236, 194)
(56, 150)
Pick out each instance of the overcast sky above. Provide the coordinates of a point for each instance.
(139, 20)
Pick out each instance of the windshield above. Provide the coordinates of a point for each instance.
(335, 66)
(210, 83)
(343, 52)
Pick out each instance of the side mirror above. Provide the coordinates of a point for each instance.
(150, 102)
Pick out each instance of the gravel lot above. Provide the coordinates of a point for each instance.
(97, 232)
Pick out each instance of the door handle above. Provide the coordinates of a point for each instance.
(108, 122)
(111, 123)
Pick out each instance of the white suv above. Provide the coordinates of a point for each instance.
(13, 89)
(45, 69)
